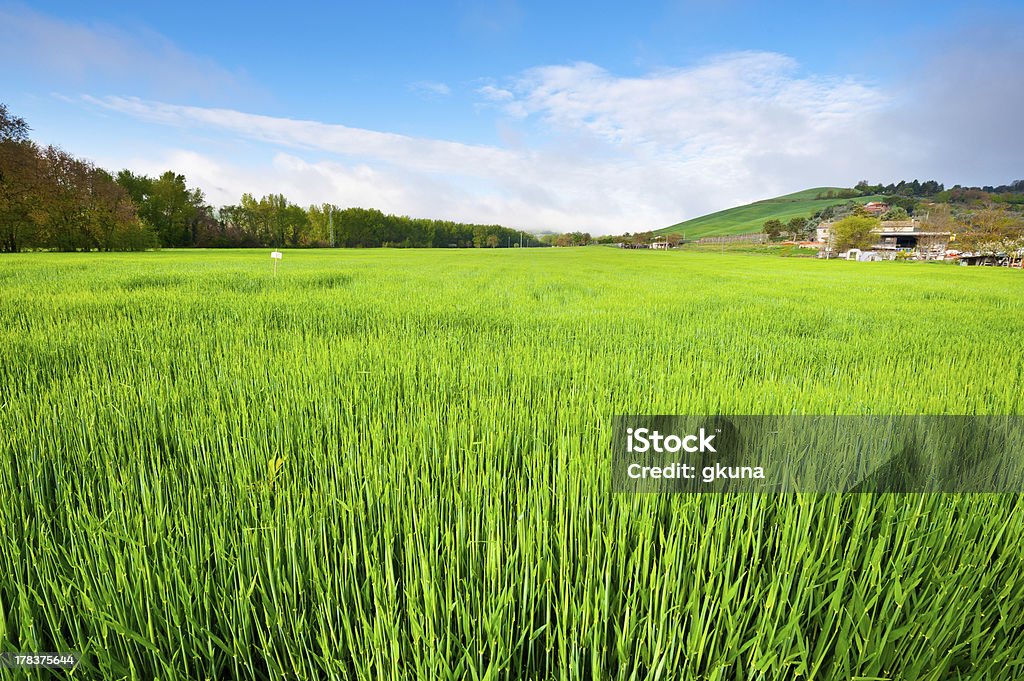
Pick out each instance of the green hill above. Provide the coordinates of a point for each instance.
(749, 218)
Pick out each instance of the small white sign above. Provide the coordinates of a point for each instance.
(276, 255)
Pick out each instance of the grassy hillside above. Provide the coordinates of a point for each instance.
(750, 218)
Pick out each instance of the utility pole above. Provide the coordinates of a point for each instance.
(330, 220)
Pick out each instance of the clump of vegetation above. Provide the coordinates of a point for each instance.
(796, 229)
(896, 213)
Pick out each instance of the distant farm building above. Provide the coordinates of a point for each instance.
(907, 236)
(876, 208)
(893, 239)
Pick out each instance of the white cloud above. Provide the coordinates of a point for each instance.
(626, 153)
(722, 115)
(495, 94)
(392, 189)
(588, 149)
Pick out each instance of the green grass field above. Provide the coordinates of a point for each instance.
(751, 217)
(395, 464)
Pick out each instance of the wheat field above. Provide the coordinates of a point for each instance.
(395, 464)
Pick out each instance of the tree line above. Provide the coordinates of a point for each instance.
(51, 200)
(909, 192)
(902, 188)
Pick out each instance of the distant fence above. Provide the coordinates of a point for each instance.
(758, 238)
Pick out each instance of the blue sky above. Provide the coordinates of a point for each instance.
(561, 116)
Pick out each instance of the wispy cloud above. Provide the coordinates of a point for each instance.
(101, 56)
(495, 94)
(431, 88)
(412, 153)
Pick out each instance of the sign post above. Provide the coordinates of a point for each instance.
(275, 256)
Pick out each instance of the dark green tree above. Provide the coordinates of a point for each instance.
(167, 205)
(797, 227)
(20, 168)
(773, 228)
